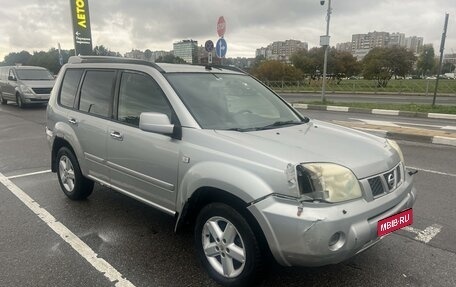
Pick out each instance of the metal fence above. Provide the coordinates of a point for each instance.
(414, 87)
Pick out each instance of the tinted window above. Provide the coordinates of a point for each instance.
(34, 74)
(140, 93)
(70, 87)
(96, 92)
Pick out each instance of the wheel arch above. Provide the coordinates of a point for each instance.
(206, 195)
(57, 145)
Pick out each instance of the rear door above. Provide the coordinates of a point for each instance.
(142, 163)
(90, 120)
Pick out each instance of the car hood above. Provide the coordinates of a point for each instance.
(39, 84)
(318, 141)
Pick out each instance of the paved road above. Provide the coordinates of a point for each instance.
(422, 123)
(369, 98)
(139, 242)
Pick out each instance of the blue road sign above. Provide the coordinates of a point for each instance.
(209, 45)
(221, 48)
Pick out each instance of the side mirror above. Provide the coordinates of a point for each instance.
(156, 123)
(11, 78)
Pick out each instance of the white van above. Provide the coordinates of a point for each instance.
(25, 85)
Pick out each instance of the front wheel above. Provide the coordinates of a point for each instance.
(71, 180)
(2, 100)
(227, 246)
(20, 102)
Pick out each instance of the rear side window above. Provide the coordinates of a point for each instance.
(70, 87)
(96, 92)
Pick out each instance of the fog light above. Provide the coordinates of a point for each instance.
(336, 241)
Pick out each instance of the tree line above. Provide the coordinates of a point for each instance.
(380, 65)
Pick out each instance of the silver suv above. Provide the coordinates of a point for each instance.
(225, 155)
(25, 85)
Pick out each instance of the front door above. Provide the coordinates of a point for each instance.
(141, 163)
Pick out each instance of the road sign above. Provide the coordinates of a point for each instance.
(81, 27)
(209, 46)
(221, 48)
(221, 26)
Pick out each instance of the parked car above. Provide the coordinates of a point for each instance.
(25, 85)
(226, 156)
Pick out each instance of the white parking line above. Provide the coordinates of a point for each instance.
(75, 242)
(28, 174)
(425, 235)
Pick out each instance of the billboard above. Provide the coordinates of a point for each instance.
(81, 27)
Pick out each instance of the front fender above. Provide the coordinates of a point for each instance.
(239, 182)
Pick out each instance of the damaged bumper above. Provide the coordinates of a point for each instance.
(317, 234)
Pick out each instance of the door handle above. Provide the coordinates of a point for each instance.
(73, 121)
(116, 135)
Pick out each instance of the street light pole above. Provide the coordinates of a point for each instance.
(326, 47)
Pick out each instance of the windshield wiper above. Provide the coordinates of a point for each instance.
(242, 129)
(281, 123)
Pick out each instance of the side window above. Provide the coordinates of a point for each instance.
(96, 92)
(140, 93)
(70, 87)
(11, 74)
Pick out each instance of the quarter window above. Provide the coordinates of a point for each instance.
(140, 93)
(70, 87)
(96, 92)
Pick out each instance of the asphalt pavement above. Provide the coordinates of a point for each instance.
(138, 242)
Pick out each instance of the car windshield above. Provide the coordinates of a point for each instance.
(33, 74)
(231, 102)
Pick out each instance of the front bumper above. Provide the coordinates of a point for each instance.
(36, 99)
(303, 238)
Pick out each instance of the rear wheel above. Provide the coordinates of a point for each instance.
(71, 180)
(227, 246)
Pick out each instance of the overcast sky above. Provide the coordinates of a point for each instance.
(122, 25)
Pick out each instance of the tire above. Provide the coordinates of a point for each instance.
(19, 102)
(71, 180)
(2, 100)
(220, 230)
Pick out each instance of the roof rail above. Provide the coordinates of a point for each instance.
(231, 68)
(108, 59)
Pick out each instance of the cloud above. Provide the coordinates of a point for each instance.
(140, 24)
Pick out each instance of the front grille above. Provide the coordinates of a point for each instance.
(386, 182)
(376, 185)
(42, 91)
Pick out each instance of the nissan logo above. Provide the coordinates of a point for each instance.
(390, 180)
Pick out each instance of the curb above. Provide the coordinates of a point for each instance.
(375, 111)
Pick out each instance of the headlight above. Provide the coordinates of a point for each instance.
(396, 147)
(327, 182)
(26, 90)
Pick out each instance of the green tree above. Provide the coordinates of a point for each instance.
(103, 51)
(426, 60)
(12, 59)
(381, 64)
(309, 62)
(340, 64)
(170, 58)
(343, 64)
(276, 71)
